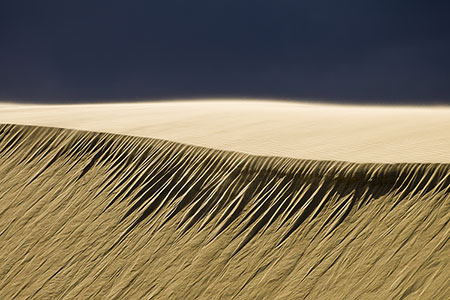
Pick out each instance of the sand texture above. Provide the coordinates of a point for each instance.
(88, 215)
(298, 130)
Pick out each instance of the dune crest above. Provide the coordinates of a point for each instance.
(271, 128)
(107, 216)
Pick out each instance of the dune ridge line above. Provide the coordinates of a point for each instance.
(270, 128)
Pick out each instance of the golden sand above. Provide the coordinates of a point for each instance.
(90, 215)
(298, 130)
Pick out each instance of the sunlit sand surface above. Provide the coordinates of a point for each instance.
(241, 200)
(298, 130)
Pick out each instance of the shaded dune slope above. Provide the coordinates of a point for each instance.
(86, 215)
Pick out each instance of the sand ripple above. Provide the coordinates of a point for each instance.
(86, 215)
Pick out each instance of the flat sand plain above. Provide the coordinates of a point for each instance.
(121, 201)
(287, 129)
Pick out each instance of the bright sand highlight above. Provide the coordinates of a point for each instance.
(288, 129)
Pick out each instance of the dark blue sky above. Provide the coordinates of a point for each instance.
(363, 51)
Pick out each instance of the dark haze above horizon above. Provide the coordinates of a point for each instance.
(360, 51)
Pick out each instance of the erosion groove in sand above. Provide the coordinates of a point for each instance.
(86, 215)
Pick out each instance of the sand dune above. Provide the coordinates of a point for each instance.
(298, 130)
(87, 215)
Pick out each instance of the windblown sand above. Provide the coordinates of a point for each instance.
(298, 130)
(91, 215)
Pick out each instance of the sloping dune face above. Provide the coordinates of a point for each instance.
(86, 215)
